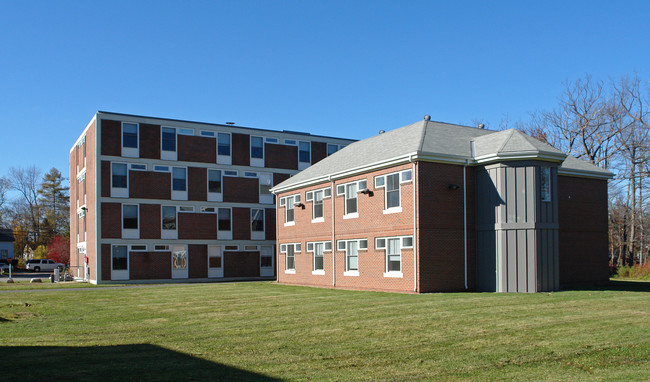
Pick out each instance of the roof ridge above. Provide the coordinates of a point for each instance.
(422, 135)
(505, 142)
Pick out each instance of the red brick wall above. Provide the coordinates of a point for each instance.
(111, 220)
(73, 210)
(241, 221)
(240, 190)
(197, 149)
(318, 151)
(197, 186)
(91, 191)
(111, 133)
(150, 265)
(150, 185)
(583, 235)
(241, 264)
(370, 221)
(197, 261)
(440, 234)
(280, 156)
(150, 221)
(149, 141)
(241, 149)
(197, 226)
(106, 178)
(269, 223)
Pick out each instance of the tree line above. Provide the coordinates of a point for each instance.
(606, 123)
(36, 206)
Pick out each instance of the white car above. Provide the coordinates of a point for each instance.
(45, 265)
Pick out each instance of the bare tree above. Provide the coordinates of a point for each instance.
(4, 189)
(27, 181)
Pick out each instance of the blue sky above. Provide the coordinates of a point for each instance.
(339, 68)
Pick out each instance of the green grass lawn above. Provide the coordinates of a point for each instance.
(265, 331)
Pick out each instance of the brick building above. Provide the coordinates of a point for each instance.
(155, 199)
(440, 207)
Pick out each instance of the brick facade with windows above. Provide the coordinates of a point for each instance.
(404, 209)
(175, 230)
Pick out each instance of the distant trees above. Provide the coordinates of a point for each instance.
(607, 123)
(36, 207)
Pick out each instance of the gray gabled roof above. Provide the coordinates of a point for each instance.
(438, 142)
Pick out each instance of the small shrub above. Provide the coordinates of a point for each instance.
(636, 272)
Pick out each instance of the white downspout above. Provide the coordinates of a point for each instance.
(333, 235)
(465, 215)
(415, 238)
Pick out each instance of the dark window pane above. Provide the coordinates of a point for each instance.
(214, 181)
(304, 149)
(179, 179)
(168, 139)
(169, 217)
(130, 217)
(130, 135)
(223, 219)
(257, 224)
(257, 147)
(224, 144)
(266, 261)
(214, 262)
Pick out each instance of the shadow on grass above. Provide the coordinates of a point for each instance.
(617, 285)
(141, 362)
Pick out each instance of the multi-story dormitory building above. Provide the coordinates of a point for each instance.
(161, 199)
(437, 207)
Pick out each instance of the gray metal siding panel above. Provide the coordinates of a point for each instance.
(531, 260)
(522, 263)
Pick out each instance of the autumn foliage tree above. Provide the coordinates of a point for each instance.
(59, 250)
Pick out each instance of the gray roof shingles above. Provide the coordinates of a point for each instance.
(434, 139)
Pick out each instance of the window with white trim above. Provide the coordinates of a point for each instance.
(257, 147)
(304, 152)
(179, 179)
(169, 218)
(168, 139)
(214, 184)
(290, 251)
(257, 221)
(317, 249)
(393, 247)
(119, 180)
(130, 135)
(316, 197)
(289, 203)
(223, 146)
(224, 219)
(391, 183)
(352, 248)
(350, 191)
(332, 148)
(119, 258)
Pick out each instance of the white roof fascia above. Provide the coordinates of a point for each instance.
(406, 158)
(441, 158)
(521, 155)
(584, 173)
(83, 134)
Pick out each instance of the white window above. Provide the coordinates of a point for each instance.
(316, 197)
(130, 140)
(119, 262)
(179, 183)
(169, 222)
(391, 183)
(393, 247)
(215, 193)
(215, 261)
(257, 224)
(223, 148)
(331, 149)
(289, 203)
(271, 140)
(119, 180)
(208, 210)
(207, 133)
(185, 131)
(352, 248)
(266, 260)
(161, 247)
(318, 249)
(257, 151)
(168, 143)
(138, 167)
(349, 191)
(266, 182)
(139, 248)
(233, 173)
(130, 226)
(161, 168)
(546, 184)
(304, 155)
(290, 251)
(224, 224)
